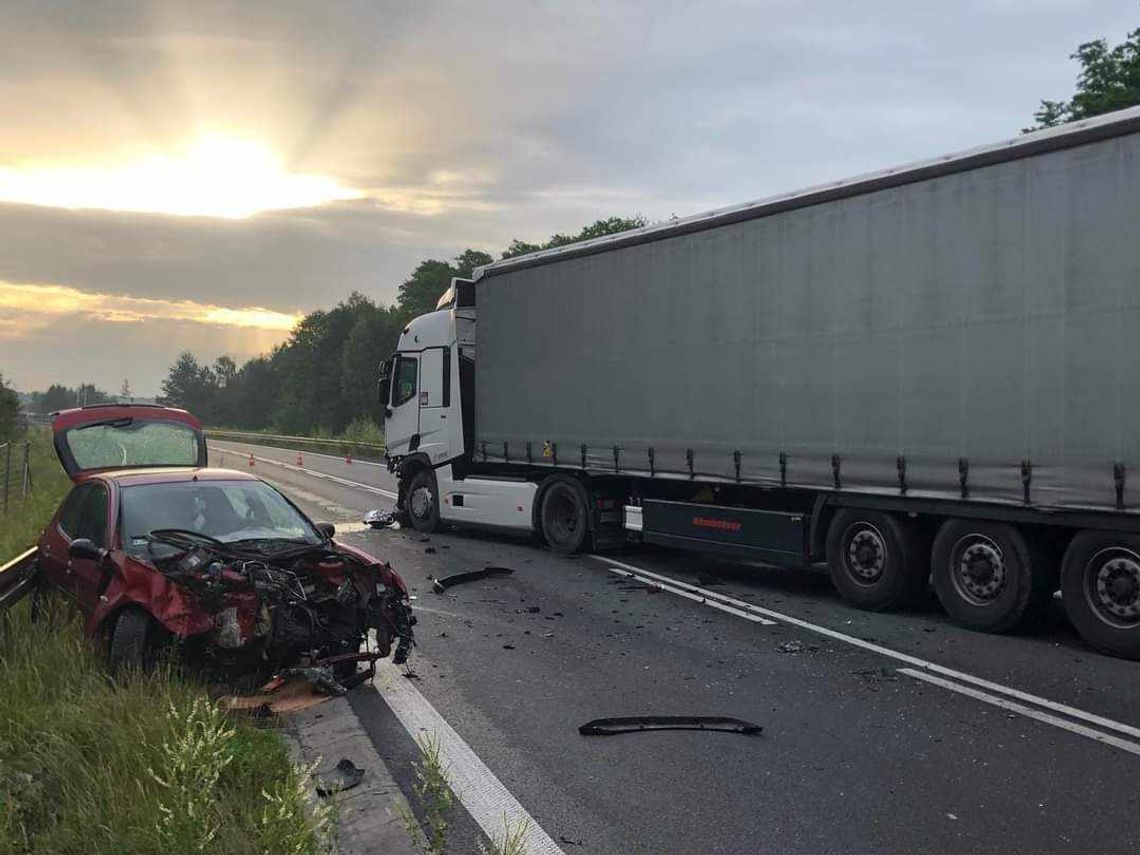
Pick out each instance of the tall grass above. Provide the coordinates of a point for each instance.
(20, 527)
(146, 764)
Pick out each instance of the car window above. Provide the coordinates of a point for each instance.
(404, 386)
(132, 442)
(72, 506)
(93, 516)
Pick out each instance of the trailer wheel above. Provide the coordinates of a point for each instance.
(874, 559)
(136, 641)
(564, 515)
(987, 575)
(423, 501)
(1100, 589)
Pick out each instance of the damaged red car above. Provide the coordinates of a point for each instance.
(158, 549)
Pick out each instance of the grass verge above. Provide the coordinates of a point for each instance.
(146, 764)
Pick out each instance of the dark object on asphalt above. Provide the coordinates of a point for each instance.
(381, 518)
(345, 776)
(562, 838)
(164, 552)
(790, 646)
(508, 647)
(429, 550)
(638, 723)
(321, 678)
(441, 585)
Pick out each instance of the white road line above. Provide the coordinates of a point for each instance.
(323, 475)
(490, 803)
(1056, 721)
(701, 596)
(924, 664)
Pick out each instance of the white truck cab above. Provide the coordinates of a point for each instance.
(427, 395)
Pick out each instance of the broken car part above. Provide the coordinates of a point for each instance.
(381, 518)
(345, 776)
(441, 585)
(636, 724)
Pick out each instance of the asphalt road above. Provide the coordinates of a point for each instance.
(882, 733)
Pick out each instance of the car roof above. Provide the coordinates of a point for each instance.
(169, 475)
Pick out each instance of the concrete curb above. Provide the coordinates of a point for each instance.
(369, 816)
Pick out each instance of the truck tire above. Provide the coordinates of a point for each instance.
(1100, 589)
(423, 501)
(563, 515)
(987, 575)
(135, 641)
(876, 561)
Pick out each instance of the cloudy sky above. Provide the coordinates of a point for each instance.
(192, 174)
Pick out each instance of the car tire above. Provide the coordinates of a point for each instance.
(135, 641)
(422, 503)
(875, 560)
(987, 575)
(1100, 589)
(563, 515)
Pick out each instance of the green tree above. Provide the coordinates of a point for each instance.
(596, 229)
(190, 386)
(253, 394)
(468, 260)
(371, 341)
(57, 397)
(9, 411)
(421, 291)
(1109, 80)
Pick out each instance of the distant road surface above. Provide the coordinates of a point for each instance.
(882, 733)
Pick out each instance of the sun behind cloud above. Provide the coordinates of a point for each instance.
(217, 175)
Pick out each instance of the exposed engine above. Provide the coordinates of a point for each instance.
(297, 606)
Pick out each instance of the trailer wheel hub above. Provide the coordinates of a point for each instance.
(1115, 583)
(866, 553)
(979, 572)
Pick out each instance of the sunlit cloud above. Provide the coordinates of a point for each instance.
(30, 308)
(215, 176)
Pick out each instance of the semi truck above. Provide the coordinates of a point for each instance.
(923, 376)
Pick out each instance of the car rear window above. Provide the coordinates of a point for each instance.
(133, 442)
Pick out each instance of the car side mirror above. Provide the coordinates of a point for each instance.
(327, 529)
(85, 549)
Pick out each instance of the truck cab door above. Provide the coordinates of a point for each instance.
(402, 421)
(435, 404)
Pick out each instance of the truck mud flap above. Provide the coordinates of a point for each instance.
(777, 537)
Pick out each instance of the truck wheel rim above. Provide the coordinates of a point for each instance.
(978, 569)
(1112, 587)
(421, 502)
(866, 553)
(562, 517)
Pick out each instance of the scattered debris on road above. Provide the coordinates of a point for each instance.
(790, 646)
(441, 585)
(637, 724)
(345, 776)
(429, 550)
(381, 518)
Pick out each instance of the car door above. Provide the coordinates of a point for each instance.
(54, 561)
(434, 401)
(87, 575)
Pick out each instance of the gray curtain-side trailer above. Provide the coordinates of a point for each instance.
(926, 368)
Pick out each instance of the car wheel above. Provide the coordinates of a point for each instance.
(135, 641)
(987, 575)
(876, 561)
(422, 502)
(564, 515)
(1100, 589)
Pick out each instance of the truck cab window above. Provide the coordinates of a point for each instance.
(404, 385)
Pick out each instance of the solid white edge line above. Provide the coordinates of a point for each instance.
(924, 664)
(316, 474)
(484, 796)
(339, 457)
(696, 598)
(1056, 721)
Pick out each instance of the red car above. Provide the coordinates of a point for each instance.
(156, 548)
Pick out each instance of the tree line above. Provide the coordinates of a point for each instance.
(323, 378)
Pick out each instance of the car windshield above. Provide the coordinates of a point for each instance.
(133, 442)
(229, 511)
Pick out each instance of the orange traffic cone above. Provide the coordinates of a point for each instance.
(300, 459)
(251, 463)
(348, 458)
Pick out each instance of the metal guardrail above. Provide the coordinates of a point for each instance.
(277, 438)
(18, 577)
